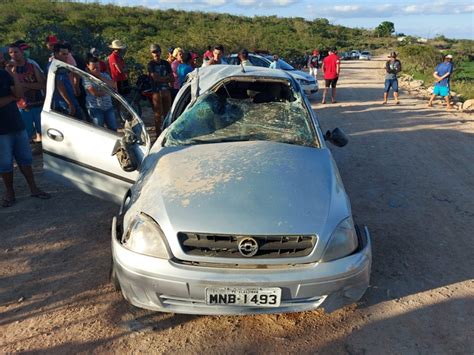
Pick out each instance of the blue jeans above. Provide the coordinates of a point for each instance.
(14, 145)
(99, 117)
(32, 116)
(391, 83)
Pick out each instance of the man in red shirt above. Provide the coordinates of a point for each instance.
(331, 68)
(118, 71)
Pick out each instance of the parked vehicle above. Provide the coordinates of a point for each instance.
(237, 208)
(355, 54)
(365, 56)
(309, 83)
(345, 56)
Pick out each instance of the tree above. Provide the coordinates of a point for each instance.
(385, 29)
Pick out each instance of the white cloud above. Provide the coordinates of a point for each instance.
(246, 2)
(412, 9)
(346, 8)
(363, 10)
(283, 2)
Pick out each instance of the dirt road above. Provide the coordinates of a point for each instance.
(410, 174)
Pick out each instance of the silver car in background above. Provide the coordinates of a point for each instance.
(237, 208)
(308, 83)
(365, 56)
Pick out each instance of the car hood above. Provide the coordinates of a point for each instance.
(255, 188)
(298, 74)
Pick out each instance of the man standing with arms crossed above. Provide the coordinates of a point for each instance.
(162, 76)
(331, 69)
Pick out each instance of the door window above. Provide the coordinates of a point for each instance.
(259, 62)
(78, 96)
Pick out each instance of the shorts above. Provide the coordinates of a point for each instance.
(391, 83)
(441, 91)
(14, 145)
(331, 82)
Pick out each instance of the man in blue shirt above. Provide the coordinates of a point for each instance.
(64, 99)
(442, 75)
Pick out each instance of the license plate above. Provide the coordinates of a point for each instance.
(243, 296)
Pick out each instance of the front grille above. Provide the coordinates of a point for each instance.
(227, 246)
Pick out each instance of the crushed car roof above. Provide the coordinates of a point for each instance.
(207, 77)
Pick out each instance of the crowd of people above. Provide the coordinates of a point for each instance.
(23, 86)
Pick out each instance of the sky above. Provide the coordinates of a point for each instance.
(424, 18)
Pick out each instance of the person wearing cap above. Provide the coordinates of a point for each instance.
(217, 55)
(162, 76)
(313, 64)
(118, 70)
(33, 84)
(50, 41)
(25, 48)
(194, 57)
(331, 68)
(207, 54)
(442, 74)
(102, 65)
(392, 67)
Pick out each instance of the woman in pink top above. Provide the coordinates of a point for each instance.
(178, 55)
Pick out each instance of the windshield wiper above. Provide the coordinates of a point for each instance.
(220, 140)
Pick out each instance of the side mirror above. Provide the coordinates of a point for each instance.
(337, 137)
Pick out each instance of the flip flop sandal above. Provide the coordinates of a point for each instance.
(42, 195)
(8, 202)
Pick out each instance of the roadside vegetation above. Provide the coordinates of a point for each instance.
(87, 25)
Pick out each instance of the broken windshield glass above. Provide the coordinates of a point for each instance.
(214, 119)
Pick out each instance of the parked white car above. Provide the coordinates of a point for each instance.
(309, 84)
(237, 208)
(365, 56)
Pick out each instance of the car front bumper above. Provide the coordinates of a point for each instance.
(168, 286)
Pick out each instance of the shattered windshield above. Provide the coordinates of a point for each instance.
(215, 118)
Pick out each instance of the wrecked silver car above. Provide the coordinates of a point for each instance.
(237, 208)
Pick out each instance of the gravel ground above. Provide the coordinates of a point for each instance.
(409, 172)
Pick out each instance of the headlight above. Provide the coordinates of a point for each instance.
(342, 242)
(145, 236)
